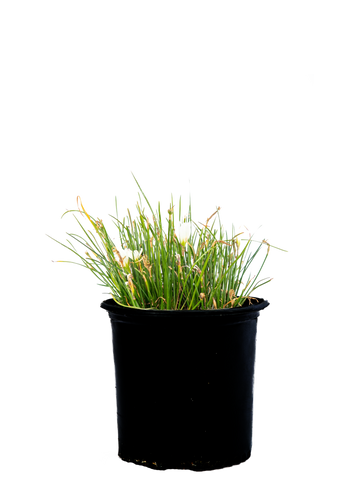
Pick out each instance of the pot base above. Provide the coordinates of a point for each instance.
(195, 468)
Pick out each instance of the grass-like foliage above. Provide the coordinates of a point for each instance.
(166, 261)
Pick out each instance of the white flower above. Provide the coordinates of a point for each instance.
(184, 233)
(124, 254)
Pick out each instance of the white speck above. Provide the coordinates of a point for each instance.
(105, 456)
(311, 79)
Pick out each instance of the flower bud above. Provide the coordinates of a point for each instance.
(237, 240)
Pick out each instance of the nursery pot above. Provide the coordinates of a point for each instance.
(184, 384)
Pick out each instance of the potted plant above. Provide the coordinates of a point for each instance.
(184, 330)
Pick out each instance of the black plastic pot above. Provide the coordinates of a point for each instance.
(184, 381)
